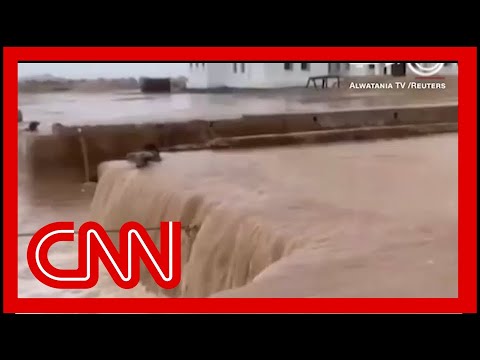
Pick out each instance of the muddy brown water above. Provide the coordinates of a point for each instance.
(347, 219)
(369, 219)
(72, 108)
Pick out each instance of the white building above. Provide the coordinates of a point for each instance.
(252, 75)
(275, 75)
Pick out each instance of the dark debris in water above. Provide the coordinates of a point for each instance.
(141, 159)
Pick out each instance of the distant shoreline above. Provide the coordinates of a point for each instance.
(49, 84)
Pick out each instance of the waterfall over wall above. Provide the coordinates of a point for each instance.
(350, 220)
(221, 248)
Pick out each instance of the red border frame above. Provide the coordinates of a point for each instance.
(465, 303)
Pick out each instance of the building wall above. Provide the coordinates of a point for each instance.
(214, 75)
(358, 70)
(253, 75)
(292, 74)
(241, 75)
(198, 76)
(217, 73)
(364, 69)
(257, 73)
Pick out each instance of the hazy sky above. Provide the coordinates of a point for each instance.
(106, 70)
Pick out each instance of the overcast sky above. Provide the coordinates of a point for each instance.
(106, 70)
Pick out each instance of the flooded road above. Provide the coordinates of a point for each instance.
(352, 219)
(130, 107)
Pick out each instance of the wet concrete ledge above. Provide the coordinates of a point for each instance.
(328, 136)
(86, 147)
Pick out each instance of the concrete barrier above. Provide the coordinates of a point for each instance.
(379, 117)
(292, 123)
(248, 125)
(327, 136)
(68, 148)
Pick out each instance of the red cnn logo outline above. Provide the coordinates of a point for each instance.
(94, 244)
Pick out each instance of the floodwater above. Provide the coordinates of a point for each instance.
(72, 108)
(340, 220)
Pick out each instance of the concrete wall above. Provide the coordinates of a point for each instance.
(63, 149)
(293, 123)
(353, 134)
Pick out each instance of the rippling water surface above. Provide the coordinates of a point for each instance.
(411, 184)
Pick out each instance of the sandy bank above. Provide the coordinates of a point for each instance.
(377, 219)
